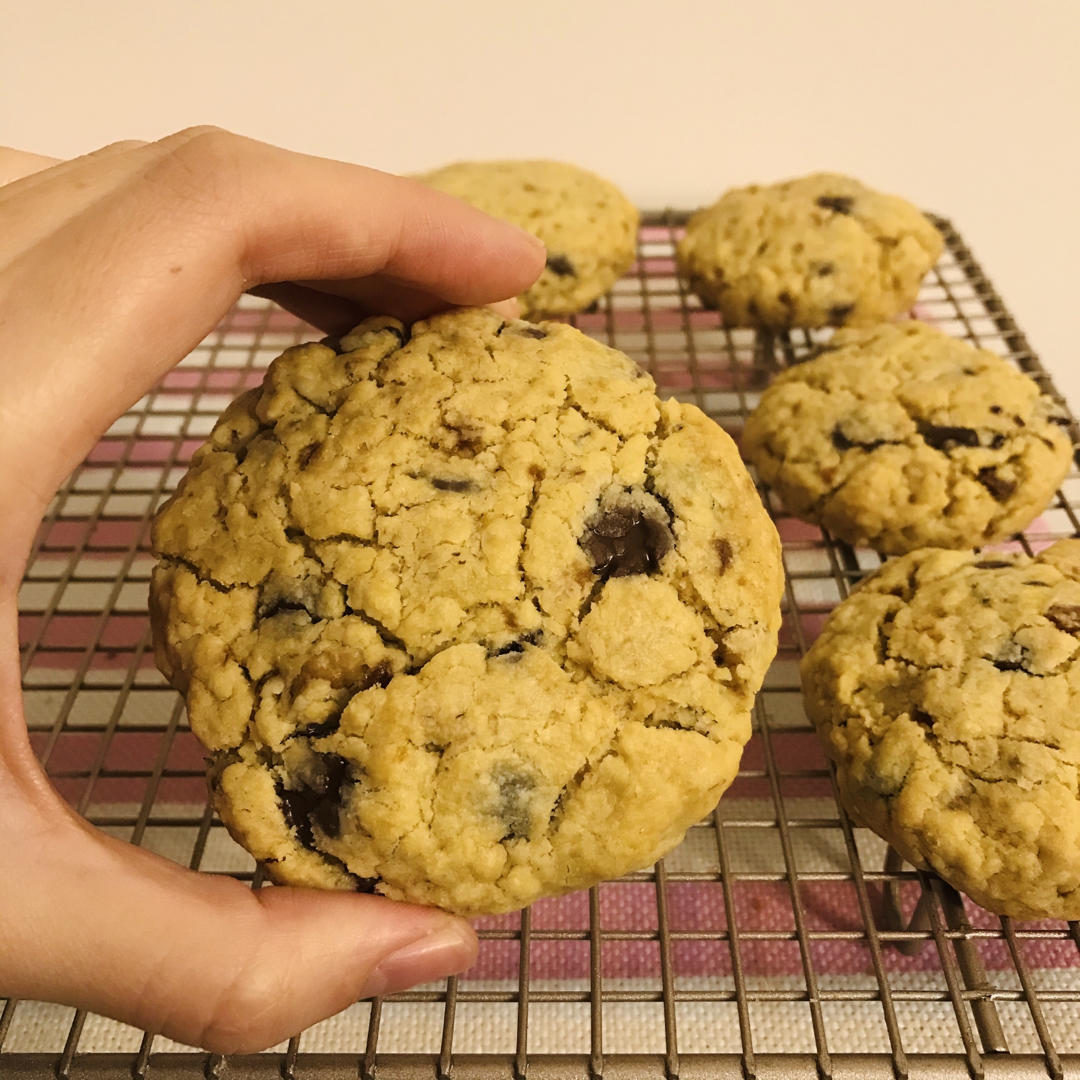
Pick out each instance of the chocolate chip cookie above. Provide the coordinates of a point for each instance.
(463, 614)
(947, 691)
(822, 250)
(899, 437)
(587, 224)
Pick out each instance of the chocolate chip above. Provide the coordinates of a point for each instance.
(282, 606)
(318, 731)
(922, 718)
(824, 269)
(842, 442)
(303, 459)
(560, 266)
(316, 797)
(1012, 657)
(380, 675)
(1061, 421)
(993, 564)
(515, 648)
(624, 538)
(996, 409)
(512, 804)
(1019, 421)
(534, 332)
(786, 299)
(997, 442)
(725, 551)
(840, 204)
(1065, 617)
(838, 313)
(763, 247)
(452, 484)
(1000, 488)
(943, 437)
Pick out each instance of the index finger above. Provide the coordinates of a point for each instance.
(144, 251)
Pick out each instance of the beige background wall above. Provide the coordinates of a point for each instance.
(969, 108)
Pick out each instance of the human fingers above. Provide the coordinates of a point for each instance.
(123, 287)
(101, 925)
(15, 164)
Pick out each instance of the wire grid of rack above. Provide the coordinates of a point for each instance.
(780, 940)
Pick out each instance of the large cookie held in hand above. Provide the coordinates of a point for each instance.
(463, 613)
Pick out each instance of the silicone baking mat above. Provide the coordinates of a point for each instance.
(778, 940)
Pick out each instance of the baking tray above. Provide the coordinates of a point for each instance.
(780, 940)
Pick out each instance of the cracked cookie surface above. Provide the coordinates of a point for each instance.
(947, 690)
(463, 613)
(587, 224)
(821, 250)
(899, 437)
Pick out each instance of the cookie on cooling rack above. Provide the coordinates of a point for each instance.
(587, 224)
(822, 250)
(900, 437)
(463, 613)
(947, 691)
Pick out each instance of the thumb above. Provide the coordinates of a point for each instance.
(204, 960)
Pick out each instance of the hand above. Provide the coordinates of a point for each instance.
(112, 268)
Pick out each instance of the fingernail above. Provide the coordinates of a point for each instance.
(445, 951)
(532, 237)
(509, 309)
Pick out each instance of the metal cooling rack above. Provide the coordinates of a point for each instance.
(779, 940)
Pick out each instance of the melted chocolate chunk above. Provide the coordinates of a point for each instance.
(725, 552)
(450, 483)
(560, 266)
(1065, 617)
(317, 797)
(942, 437)
(838, 313)
(512, 804)
(840, 204)
(624, 540)
(1000, 488)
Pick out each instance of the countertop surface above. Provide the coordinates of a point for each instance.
(967, 108)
